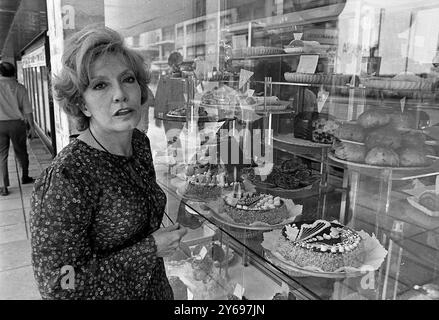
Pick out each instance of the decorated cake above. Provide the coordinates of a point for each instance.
(248, 208)
(325, 245)
(208, 182)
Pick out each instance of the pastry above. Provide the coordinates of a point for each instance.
(373, 118)
(323, 130)
(214, 250)
(381, 156)
(260, 208)
(402, 121)
(412, 157)
(349, 151)
(386, 137)
(429, 200)
(178, 287)
(321, 244)
(350, 131)
(412, 139)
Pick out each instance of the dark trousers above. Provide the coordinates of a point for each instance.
(15, 131)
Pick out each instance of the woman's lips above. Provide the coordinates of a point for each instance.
(123, 112)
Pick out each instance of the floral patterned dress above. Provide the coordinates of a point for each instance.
(94, 212)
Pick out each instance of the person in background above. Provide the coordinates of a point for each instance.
(15, 111)
(97, 209)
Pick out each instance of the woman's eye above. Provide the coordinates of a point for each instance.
(99, 86)
(130, 79)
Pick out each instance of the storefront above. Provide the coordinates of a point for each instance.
(284, 116)
(35, 75)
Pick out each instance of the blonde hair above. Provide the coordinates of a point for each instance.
(82, 49)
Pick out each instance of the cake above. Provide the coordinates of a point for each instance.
(325, 245)
(249, 208)
(323, 130)
(207, 181)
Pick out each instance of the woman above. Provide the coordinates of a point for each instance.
(96, 210)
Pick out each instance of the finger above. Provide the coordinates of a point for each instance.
(170, 228)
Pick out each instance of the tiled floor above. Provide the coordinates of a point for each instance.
(16, 274)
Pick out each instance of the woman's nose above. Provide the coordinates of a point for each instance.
(119, 94)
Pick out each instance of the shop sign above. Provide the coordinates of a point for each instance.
(35, 58)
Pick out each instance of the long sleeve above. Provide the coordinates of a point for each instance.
(61, 226)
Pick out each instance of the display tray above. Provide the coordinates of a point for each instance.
(291, 139)
(365, 166)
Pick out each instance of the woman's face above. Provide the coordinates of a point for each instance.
(112, 99)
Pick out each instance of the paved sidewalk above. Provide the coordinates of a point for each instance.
(16, 274)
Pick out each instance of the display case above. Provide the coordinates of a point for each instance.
(305, 161)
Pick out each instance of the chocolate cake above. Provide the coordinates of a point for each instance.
(325, 245)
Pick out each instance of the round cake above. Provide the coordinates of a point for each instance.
(249, 208)
(207, 182)
(325, 245)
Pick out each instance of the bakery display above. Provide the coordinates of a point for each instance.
(349, 151)
(373, 118)
(350, 131)
(324, 245)
(382, 139)
(381, 156)
(250, 208)
(386, 137)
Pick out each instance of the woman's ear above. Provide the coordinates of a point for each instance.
(85, 110)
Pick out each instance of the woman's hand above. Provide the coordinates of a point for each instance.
(168, 239)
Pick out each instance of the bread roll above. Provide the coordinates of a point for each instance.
(412, 139)
(350, 131)
(384, 137)
(402, 121)
(373, 118)
(349, 151)
(381, 156)
(412, 157)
